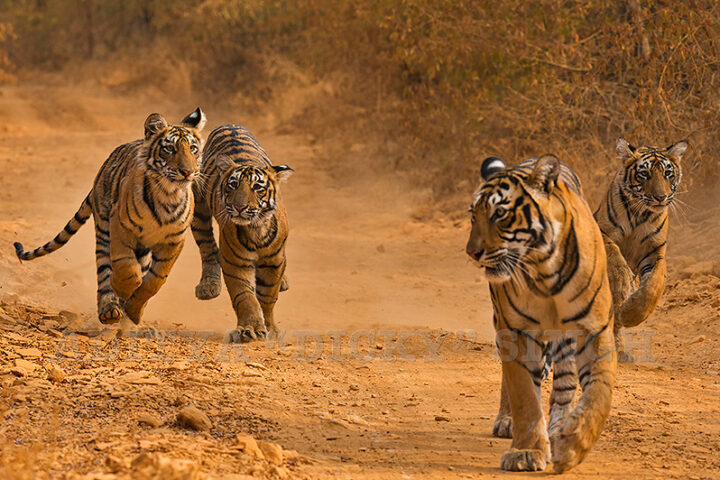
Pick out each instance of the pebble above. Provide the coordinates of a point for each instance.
(31, 352)
(441, 418)
(18, 371)
(273, 453)
(699, 339)
(56, 375)
(29, 367)
(249, 446)
(149, 419)
(194, 418)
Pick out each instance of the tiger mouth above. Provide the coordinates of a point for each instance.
(501, 270)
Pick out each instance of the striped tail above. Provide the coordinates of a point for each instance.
(81, 216)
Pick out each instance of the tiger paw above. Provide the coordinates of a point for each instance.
(625, 357)
(568, 449)
(502, 427)
(208, 288)
(245, 335)
(515, 460)
(134, 310)
(110, 313)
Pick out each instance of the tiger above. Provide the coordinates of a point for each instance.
(142, 204)
(240, 188)
(543, 256)
(633, 218)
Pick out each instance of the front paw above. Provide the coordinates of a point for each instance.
(111, 313)
(515, 460)
(246, 334)
(208, 288)
(502, 427)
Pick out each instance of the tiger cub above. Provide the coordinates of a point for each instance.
(240, 188)
(142, 204)
(633, 217)
(543, 256)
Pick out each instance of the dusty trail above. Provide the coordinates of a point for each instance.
(357, 262)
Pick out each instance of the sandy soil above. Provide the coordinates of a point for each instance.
(385, 369)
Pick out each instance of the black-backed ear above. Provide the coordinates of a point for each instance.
(677, 150)
(491, 166)
(153, 124)
(624, 149)
(282, 172)
(224, 163)
(196, 119)
(544, 176)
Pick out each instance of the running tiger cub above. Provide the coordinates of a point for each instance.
(241, 189)
(142, 204)
(633, 217)
(544, 259)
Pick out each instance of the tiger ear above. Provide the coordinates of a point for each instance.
(282, 172)
(677, 150)
(196, 119)
(545, 174)
(490, 166)
(224, 163)
(153, 124)
(624, 149)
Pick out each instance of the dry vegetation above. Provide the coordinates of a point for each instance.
(442, 82)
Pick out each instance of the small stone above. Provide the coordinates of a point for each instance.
(116, 464)
(441, 418)
(279, 472)
(354, 387)
(273, 453)
(194, 418)
(249, 446)
(381, 248)
(250, 373)
(699, 339)
(259, 366)
(291, 455)
(19, 371)
(149, 420)
(29, 367)
(56, 375)
(31, 352)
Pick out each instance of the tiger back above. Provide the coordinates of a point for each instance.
(240, 188)
(543, 256)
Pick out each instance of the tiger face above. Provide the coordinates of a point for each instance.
(651, 175)
(249, 192)
(173, 152)
(510, 222)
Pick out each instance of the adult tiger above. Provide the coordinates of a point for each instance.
(142, 204)
(240, 188)
(544, 259)
(633, 217)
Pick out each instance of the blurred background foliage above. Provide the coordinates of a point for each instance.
(437, 84)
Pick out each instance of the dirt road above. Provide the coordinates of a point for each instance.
(383, 387)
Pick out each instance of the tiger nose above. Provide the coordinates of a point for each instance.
(475, 254)
(187, 173)
(660, 198)
(240, 208)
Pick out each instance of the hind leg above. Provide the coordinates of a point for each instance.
(110, 308)
(210, 280)
(269, 279)
(503, 421)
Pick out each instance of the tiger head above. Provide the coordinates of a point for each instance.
(249, 193)
(651, 175)
(512, 219)
(173, 152)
